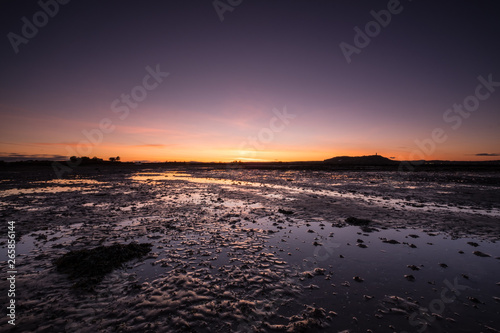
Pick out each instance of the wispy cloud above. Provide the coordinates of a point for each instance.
(72, 144)
(487, 154)
(152, 145)
(23, 157)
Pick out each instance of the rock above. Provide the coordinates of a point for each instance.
(437, 316)
(89, 267)
(474, 300)
(389, 241)
(355, 221)
(312, 286)
(481, 254)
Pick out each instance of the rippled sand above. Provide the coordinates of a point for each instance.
(261, 251)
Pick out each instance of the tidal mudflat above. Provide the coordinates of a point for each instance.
(257, 250)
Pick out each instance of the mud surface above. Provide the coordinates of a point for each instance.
(259, 250)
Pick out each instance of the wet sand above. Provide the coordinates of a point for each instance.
(259, 250)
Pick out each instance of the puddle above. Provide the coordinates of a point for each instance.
(51, 189)
(54, 186)
(373, 199)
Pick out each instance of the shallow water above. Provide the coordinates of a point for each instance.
(225, 259)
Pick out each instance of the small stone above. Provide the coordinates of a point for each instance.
(358, 279)
(390, 241)
(481, 254)
(409, 277)
(473, 299)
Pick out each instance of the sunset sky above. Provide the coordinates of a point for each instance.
(268, 82)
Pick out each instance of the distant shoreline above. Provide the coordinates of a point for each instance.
(431, 166)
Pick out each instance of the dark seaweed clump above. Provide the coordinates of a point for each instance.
(285, 212)
(355, 221)
(89, 267)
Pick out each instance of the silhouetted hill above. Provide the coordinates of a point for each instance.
(361, 160)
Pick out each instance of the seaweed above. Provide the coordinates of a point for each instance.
(355, 221)
(89, 267)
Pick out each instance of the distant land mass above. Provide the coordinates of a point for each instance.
(340, 163)
(362, 160)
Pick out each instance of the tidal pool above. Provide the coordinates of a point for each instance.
(266, 252)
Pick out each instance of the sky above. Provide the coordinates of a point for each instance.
(249, 80)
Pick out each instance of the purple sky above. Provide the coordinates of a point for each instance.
(226, 78)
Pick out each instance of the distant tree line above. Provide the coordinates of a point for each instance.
(93, 160)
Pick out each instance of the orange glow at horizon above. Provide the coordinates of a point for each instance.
(165, 153)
